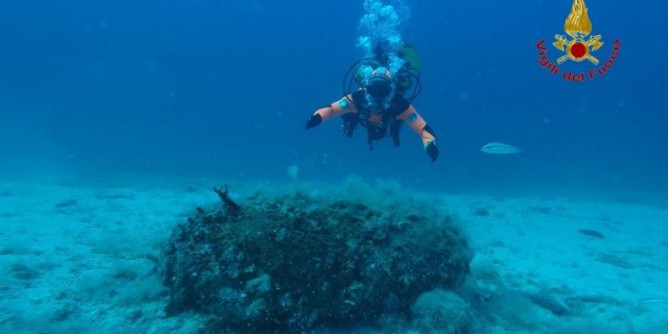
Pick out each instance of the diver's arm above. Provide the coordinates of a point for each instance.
(411, 117)
(338, 108)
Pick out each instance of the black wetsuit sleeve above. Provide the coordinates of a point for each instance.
(399, 105)
(358, 97)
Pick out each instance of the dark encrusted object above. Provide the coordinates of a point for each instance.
(592, 233)
(222, 193)
(296, 262)
(549, 303)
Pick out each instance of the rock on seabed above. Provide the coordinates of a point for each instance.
(296, 261)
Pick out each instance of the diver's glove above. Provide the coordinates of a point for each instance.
(432, 151)
(313, 121)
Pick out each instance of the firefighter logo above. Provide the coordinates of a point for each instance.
(577, 45)
(578, 27)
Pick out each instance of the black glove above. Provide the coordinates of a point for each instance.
(313, 121)
(432, 151)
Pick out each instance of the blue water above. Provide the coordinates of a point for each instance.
(222, 89)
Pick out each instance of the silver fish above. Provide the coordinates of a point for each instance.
(500, 148)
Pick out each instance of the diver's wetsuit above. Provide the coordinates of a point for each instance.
(355, 108)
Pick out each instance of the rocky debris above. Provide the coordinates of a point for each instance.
(298, 261)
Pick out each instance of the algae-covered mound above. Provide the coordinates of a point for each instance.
(309, 260)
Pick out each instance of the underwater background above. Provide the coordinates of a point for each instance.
(222, 89)
(118, 117)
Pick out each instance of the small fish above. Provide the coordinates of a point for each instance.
(500, 148)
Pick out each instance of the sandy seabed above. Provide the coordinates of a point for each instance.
(81, 258)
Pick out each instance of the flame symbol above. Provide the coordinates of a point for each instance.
(577, 23)
(578, 26)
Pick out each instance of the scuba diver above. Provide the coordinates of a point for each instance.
(379, 103)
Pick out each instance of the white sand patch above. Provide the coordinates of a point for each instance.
(536, 246)
(77, 259)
